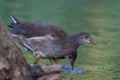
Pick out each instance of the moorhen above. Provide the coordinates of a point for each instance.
(46, 40)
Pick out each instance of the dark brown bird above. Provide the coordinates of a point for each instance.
(48, 41)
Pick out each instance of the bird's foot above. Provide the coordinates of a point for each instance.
(37, 59)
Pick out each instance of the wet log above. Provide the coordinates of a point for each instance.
(13, 66)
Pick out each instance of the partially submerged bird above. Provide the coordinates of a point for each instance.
(48, 41)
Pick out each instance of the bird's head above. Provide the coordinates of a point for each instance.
(84, 38)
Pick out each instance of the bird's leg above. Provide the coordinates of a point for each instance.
(54, 60)
(36, 59)
(51, 61)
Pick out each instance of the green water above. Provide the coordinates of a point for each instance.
(101, 18)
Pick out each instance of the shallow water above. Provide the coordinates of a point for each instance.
(101, 18)
(69, 70)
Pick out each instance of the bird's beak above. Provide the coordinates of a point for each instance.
(92, 42)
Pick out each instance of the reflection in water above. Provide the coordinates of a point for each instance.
(98, 17)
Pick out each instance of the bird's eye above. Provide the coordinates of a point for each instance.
(86, 37)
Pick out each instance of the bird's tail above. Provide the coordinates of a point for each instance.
(14, 26)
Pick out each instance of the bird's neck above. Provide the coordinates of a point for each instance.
(74, 41)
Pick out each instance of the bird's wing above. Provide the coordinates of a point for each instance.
(29, 29)
(42, 29)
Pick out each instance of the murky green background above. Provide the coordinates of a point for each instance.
(101, 18)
